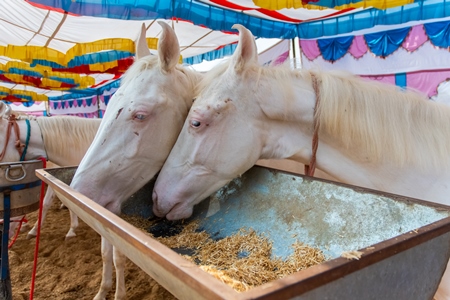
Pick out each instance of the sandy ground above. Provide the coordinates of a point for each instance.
(69, 270)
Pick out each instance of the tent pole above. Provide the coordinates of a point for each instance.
(300, 51)
(98, 107)
(294, 55)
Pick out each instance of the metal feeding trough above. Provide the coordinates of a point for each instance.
(19, 194)
(18, 181)
(405, 243)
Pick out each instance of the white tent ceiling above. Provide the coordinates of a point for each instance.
(40, 49)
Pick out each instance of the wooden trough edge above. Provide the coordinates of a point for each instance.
(185, 280)
(176, 274)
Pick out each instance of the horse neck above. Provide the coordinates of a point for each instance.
(66, 141)
(389, 140)
(348, 166)
(287, 117)
(291, 137)
(407, 180)
(31, 139)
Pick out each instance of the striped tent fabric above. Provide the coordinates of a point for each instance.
(65, 52)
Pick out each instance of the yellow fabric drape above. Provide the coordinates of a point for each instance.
(45, 72)
(28, 53)
(280, 4)
(20, 93)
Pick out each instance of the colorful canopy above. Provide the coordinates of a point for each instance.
(284, 19)
(78, 49)
(46, 54)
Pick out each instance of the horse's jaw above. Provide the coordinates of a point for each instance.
(179, 212)
(174, 197)
(115, 184)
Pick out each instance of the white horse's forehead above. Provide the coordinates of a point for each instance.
(148, 83)
(212, 95)
(224, 87)
(218, 95)
(204, 104)
(131, 95)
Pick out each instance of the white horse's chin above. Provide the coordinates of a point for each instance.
(179, 212)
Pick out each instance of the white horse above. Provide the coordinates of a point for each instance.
(63, 140)
(369, 134)
(140, 126)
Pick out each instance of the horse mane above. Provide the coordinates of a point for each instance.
(213, 74)
(63, 134)
(146, 62)
(151, 61)
(385, 122)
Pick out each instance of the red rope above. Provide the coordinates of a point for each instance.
(36, 250)
(21, 221)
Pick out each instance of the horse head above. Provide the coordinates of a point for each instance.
(21, 139)
(140, 126)
(219, 140)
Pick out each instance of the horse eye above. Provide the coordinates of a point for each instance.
(195, 123)
(140, 117)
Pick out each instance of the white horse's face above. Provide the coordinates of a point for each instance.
(219, 141)
(35, 146)
(216, 144)
(140, 126)
(11, 154)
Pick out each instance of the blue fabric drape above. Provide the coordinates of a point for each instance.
(87, 59)
(212, 55)
(439, 33)
(24, 72)
(333, 49)
(99, 57)
(46, 63)
(65, 80)
(28, 103)
(217, 18)
(385, 43)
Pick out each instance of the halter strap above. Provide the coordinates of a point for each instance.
(311, 167)
(12, 125)
(27, 140)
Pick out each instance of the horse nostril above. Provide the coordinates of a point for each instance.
(155, 198)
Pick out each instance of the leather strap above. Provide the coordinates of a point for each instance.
(12, 124)
(311, 167)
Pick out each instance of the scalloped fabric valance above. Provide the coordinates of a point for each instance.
(381, 44)
(47, 53)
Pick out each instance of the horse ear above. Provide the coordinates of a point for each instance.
(246, 51)
(5, 110)
(168, 47)
(141, 44)
(2, 108)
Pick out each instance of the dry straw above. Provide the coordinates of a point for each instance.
(243, 260)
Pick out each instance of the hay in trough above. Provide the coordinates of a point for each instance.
(242, 261)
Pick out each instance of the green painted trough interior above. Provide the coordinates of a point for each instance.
(286, 207)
